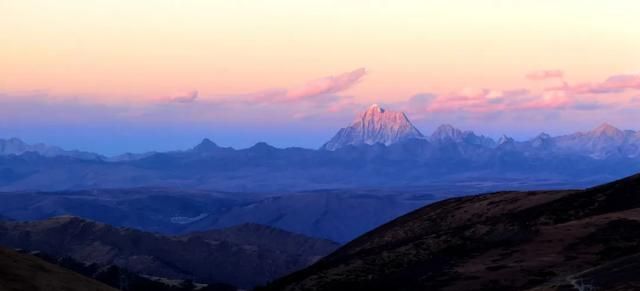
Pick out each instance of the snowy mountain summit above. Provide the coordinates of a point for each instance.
(376, 125)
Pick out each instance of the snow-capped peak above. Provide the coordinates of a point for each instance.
(375, 125)
(375, 107)
(607, 130)
(447, 132)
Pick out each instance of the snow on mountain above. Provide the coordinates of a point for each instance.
(601, 142)
(506, 141)
(376, 125)
(542, 141)
(447, 133)
(15, 146)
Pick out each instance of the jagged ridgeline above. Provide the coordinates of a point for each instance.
(381, 148)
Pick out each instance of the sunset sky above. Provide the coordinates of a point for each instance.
(114, 76)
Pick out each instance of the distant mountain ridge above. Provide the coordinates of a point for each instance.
(377, 125)
(380, 149)
(602, 142)
(15, 146)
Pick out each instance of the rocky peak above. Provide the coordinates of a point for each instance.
(262, 147)
(543, 136)
(374, 108)
(447, 132)
(504, 139)
(375, 125)
(206, 145)
(543, 140)
(12, 145)
(606, 130)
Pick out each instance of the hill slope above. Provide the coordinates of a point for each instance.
(503, 241)
(236, 257)
(26, 272)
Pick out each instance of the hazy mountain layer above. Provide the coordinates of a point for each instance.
(335, 215)
(381, 149)
(14, 146)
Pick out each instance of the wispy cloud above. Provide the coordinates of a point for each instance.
(613, 84)
(545, 75)
(590, 106)
(609, 93)
(186, 97)
(327, 85)
(321, 105)
(488, 100)
(321, 87)
(325, 98)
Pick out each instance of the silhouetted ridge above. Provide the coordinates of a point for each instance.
(240, 256)
(206, 146)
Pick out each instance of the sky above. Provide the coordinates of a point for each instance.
(116, 76)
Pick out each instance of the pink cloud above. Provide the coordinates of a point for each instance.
(548, 100)
(321, 97)
(266, 96)
(186, 97)
(344, 104)
(480, 100)
(321, 87)
(486, 101)
(613, 84)
(327, 85)
(545, 75)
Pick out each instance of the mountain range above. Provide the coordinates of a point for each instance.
(337, 215)
(15, 146)
(160, 215)
(537, 240)
(380, 149)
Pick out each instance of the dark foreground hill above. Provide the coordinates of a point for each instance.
(555, 240)
(243, 256)
(27, 272)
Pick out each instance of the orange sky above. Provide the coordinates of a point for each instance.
(123, 51)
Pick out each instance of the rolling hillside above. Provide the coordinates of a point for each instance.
(542, 240)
